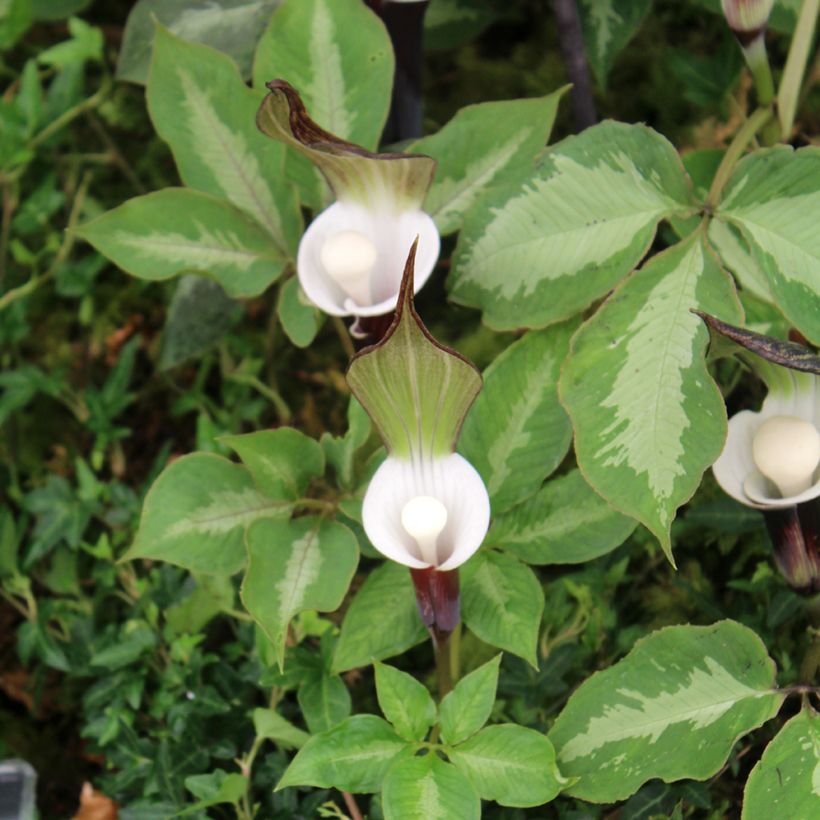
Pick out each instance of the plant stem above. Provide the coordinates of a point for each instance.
(443, 648)
(739, 144)
(344, 336)
(789, 92)
(352, 807)
(68, 116)
(758, 60)
(575, 60)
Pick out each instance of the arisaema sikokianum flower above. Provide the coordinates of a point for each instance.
(351, 257)
(426, 506)
(771, 459)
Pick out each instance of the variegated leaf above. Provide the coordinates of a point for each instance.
(517, 433)
(648, 418)
(608, 25)
(736, 256)
(415, 390)
(533, 254)
(176, 230)
(196, 512)
(306, 563)
(785, 782)
(671, 709)
(774, 198)
(565, 523)
(338, 54)
(202, 109)
(505, 139)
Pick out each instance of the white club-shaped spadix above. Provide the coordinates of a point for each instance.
(431, 513)
(787, 450)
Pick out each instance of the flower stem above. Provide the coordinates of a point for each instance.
(789, 92)
(443, 648)
(758, 61)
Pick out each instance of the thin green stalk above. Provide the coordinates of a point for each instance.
(275, 398)
(443, 649)
(735, 151)
(789, 93)
(758, 61)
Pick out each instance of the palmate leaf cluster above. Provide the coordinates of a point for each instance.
(219, 618)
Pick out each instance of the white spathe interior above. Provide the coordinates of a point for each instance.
(450, 480)
(349, 257)
(736, 470)
(390, 232)
(423, 518)
(787, 450)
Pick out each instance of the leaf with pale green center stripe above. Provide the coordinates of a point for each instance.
(566, 522)
(202, 109)
(505, 139)
(608, 25)
(502, 603)
(354, 756)
(671, 709)
(510, 764)
(533, 254)
(648, 418)
(306, 563)
(430, 788)
(196, 512)
(467, 708)
(785, 782)
(517, 433)
(736, 256)
(405, 702)
(415, 390)
(338, 54)
(176, 230)
(324, 701)
(774, 198)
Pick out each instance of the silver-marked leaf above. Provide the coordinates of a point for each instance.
(530, 255)
(324, 701)
(565, 523)
(196, 512)
(671, 709)
(338, 54)
(785, 782)
(306, 563)
(376, 181)
(231, 26)
(299, 318)
(517, 433)
(502, 602)
(382, 620)
(405, 702)
(202, 109)
(272, 726)
(176, 230)
(510, 764)
(608, 25)
(415, 390)
(505, 139)
(648, 418)
(736, 256)
(282, 461)
(430, 788)
(467, 708)
(774, 197)
(353, 756)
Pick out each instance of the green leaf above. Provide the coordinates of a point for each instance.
(340, 450)
(231, 26)
(282, 462)
(86, 43)
(353, 756)
(382, 621)
(517, 433)
(214, 788)
(306, 563)
(270, 725)
(175, 230)
(773, 197)
(324, 701)
(135, 640)
(784, 782)
(196, 512)
(202, 109)
(510, 764)
(449, 23)
(565, 523)
(355, 174)
(213, 594)
(648, 418)
(588, 214)
(338, 54)
(671, 709)
(300, 320)
(415, 390)
(467, 708)
(505, 139)
(405, 702)
(736, 256)
(502, 602)
(14, 22)
(428, 787)
(608, 25)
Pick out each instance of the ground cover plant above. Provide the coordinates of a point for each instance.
(411, 409)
